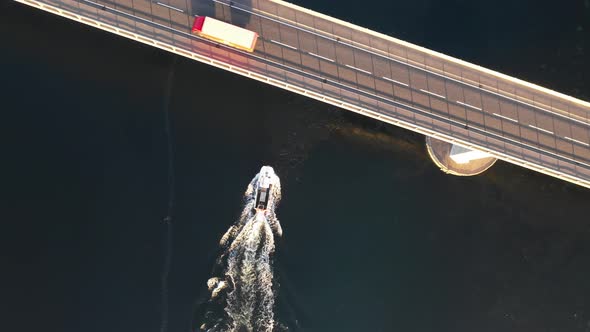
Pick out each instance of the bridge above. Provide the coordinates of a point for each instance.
(365, 72)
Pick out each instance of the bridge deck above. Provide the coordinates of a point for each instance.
(369, 73)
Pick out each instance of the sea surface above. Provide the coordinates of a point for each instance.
(376, 238)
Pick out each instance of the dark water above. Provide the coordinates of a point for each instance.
(376, 238)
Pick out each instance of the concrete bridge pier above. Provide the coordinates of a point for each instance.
(457, 160)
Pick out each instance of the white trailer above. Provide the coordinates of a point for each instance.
(225, 33)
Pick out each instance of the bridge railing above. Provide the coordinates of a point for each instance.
(312, 86)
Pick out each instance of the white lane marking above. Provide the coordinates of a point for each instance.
(170, 7)
(575, 140)
(319, 56)
(460, 82)
(394, 81)
(505, 117)
(476, 108)
(541, 129)
(434, 94)
(361, 70)
(188, 35)
(392, 102)
(285, 45)
(537, 107)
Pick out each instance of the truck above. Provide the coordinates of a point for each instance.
(225, 33)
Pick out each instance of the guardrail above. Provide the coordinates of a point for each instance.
(301, 90)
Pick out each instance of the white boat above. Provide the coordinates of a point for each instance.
(263, 187)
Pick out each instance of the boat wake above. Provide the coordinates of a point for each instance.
(241, 290)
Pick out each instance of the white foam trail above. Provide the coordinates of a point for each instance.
(250, 305)
(245, 289)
